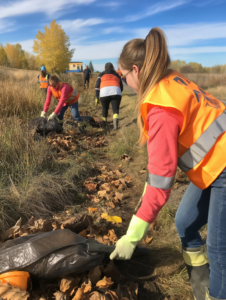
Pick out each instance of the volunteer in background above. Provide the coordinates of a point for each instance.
(109, 89)
(67, 97)
(119, 73)
(184, 125)
(43, 79)
(86, 75)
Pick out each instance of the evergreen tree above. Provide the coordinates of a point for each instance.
(91, 66)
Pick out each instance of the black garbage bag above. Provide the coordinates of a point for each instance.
(49, 255)
(88, 119)
(43, 127)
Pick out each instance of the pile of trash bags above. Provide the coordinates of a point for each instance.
(43, 127)
(49, 255)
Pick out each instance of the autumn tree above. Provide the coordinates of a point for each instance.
(52, 48)
(12, 55)
(3, 56)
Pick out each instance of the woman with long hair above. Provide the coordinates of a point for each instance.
(182, 125)
(109, 89)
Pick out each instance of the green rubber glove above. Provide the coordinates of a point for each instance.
(127, 244)
(97, 101)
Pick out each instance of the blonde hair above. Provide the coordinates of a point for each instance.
(152, 59)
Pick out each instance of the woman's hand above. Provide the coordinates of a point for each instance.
(124, 249)
(43, 114)
(127, 244)
(52, 116)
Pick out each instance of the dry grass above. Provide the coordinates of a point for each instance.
(32, 180)
(206, 81)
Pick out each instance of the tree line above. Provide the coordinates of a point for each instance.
(15, 57)
(194, 67)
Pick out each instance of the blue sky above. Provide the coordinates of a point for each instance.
(195, 29)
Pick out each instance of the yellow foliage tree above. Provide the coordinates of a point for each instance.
(52, 48)
(12, 55)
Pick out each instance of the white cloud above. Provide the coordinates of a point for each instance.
(188, 34)
(74, 25)
(113, 29)
(196, 50)
(101, 50)
(6, 26)
(36, 6)
(110, 4)
(155, 9)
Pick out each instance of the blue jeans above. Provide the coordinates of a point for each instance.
(74, 111)
(200, 207)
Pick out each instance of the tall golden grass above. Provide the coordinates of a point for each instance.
(32, 180)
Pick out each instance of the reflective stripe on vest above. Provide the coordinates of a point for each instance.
(204, 143)
(75, 93)
(160, 182)
(43, 81)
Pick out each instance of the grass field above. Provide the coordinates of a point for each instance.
(34, 181)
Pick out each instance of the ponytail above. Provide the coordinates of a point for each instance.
(152, 59)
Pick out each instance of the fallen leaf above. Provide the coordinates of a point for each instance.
(111, 204)
(12, 231)
(83, 233)
(105, 187)
(143, 171)
(120, 196)
(148, 240)
(8, 292)
(113, 219)
(79, 294)
(94, 275)
(92, 209)
(105, 283)
(110, 295)
(60, 296)
(97, 296)
(91, 197)
(125, 157)
(90, 186)
(102, 194)
(87, 286)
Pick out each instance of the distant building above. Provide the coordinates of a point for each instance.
(75, 66)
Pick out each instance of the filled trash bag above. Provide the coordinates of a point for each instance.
(43, 127)
(49, 255)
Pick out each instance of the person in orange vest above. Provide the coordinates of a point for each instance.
(43, 80)
(109, 89)
(182, 125)
(119, 72)
(67, 97)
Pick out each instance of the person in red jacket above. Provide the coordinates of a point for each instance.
(185, 126)
(67, 97)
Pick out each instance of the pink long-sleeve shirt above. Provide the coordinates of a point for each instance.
(164, 128)
(65, 90)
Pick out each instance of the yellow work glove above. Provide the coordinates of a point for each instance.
(97, 101)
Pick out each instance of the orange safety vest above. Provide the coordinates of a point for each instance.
(119, 72)
(202, 139)
(43, 82)
(72, 98)
(109, 80)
